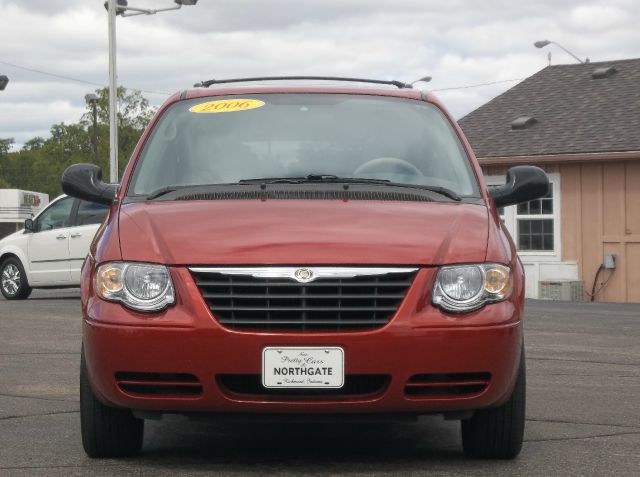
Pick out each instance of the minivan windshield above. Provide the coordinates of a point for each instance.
(230, 139)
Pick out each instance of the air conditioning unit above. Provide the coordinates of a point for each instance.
(562, 290)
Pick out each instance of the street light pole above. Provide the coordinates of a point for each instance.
(121, 7)
(543, 43)
(113, 96)
(424, 79)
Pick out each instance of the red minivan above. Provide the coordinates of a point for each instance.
(303, 246)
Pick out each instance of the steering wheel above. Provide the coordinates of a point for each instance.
(392, 165)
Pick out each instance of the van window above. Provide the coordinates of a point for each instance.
(91, 213)
(56, 216)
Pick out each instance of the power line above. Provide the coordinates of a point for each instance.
(77, 80)
(50, 74)
(478, 85)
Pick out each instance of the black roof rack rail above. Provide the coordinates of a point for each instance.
(206, 84)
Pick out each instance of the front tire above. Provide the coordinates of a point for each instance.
(498, 433)
(13, 280)
(106, 431)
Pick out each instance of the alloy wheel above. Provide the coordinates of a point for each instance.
(11, 279)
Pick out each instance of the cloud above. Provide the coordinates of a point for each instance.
(597, 18)
(457, 42)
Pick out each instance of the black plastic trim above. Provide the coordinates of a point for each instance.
(398, 84)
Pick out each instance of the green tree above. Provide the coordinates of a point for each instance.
(134, 113)
(134, 110)
(5, 145)
(33, 144)
(40, 162)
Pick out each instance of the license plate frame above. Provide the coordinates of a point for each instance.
(325, 363)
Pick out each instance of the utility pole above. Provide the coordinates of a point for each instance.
(113, 96)
(92, 100)
(122, 7)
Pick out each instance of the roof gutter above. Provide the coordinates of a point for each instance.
(561, 158)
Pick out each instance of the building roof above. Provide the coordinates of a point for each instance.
(572, 112)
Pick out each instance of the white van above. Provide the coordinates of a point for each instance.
(50, 250)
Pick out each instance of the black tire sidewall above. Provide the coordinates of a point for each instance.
(480, 433)
(106, 432)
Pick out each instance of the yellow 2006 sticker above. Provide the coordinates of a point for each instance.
(226, 106)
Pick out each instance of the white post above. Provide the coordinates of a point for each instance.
(113, 96)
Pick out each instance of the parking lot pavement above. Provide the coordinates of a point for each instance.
(583, 409)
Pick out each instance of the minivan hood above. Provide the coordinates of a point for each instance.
(297, 232)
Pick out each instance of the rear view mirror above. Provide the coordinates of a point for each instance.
(524, 183)
(28, 225)
(84, 181)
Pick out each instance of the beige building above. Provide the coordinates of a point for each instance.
(581, 123)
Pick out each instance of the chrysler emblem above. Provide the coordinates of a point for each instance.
(303, 275)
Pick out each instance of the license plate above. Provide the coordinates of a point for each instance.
(308, 367)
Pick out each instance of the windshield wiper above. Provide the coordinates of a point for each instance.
(329, 178)
(332, 179)
(172, 188)
(311, 179)
(161, 191)
(274, 180)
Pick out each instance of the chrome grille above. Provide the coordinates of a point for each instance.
(334, 299)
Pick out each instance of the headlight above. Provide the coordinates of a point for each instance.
(464, 288)
(140, 286)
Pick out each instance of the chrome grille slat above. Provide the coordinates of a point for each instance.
(337, 298)
(310, 285)
(302, 308)
(267, 296)
(336, 322)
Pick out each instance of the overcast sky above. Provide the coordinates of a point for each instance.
(457, 42)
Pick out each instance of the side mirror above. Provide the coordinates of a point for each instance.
(524, 183)
(84, 181)
(28, 225)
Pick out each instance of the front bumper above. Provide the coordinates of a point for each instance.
(187, 339)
